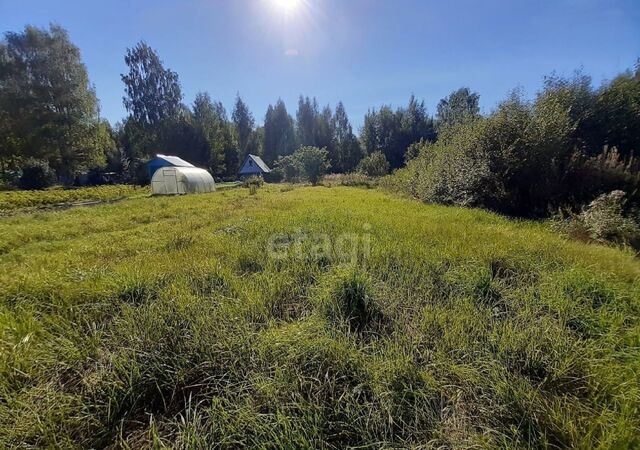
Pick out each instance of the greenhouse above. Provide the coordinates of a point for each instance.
(181, 180)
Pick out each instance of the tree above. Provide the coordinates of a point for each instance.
(576, 96)
(392, 132)
(279, 134)
(618, 112)
(374, 165)
(206, 120)
(348, 152)
(382, 131)
(306, 121)
(226, 141)
(460, 106)
(286, 167)
(48, 109)
(153, 93)
(312, 162)
(244, 127)
(325, 133)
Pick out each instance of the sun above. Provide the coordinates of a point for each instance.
(288, 5)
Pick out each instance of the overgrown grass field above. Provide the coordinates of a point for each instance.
(233, 320)
(11, 201)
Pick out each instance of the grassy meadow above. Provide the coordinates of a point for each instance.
(15, 201)
(306, 317)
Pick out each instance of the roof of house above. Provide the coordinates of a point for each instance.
(257, 161)
(174, 161)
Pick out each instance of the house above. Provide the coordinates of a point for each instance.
(253, 166)
(165, 161)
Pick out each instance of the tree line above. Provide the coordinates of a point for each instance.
(569, 145)
(572, 142)
(49, 116)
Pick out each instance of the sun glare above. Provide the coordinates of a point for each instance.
(287, 5)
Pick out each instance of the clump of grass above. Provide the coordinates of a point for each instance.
(180, 242)
(350, 299)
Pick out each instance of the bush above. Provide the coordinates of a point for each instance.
(603, 221)
(253, 184)
(36, 175)
(374, 165)
(521, 160)
(307, 163)
(286, 168)
(589, 177)
(313, 163)
(349, 179)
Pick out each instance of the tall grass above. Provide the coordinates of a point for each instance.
(17, 200)
(165, 322)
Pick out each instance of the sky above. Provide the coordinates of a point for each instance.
(365, 53)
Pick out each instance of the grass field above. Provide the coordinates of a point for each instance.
(312, 318)
(12, 201)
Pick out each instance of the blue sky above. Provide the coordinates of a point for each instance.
(363, 52)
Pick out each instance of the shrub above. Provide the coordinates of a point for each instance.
(36, 175)
(603, 221)
(349, 179)
(312, 162)
(286, 168)
(307, 163)
(520, 160)
(253, 184)
(589, 177)
(374, 165)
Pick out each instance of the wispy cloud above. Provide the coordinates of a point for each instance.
(291, 53)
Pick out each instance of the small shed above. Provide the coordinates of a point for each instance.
(181, 180)
(165, 161)
(253, 166)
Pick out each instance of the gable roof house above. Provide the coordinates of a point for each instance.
(253, 166)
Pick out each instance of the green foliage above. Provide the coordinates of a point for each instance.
(279, 133)
(311, 163)
(459, 329)
(392, 132)
(208, 125)
(221, 149)
(48, 109)
(244, 125)
(36, 175)
(374, 165)
(524, 159)
(329, 130)
(153, 93)
(459, 107)
(618, 106)
(307, 163)
(348, 151)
